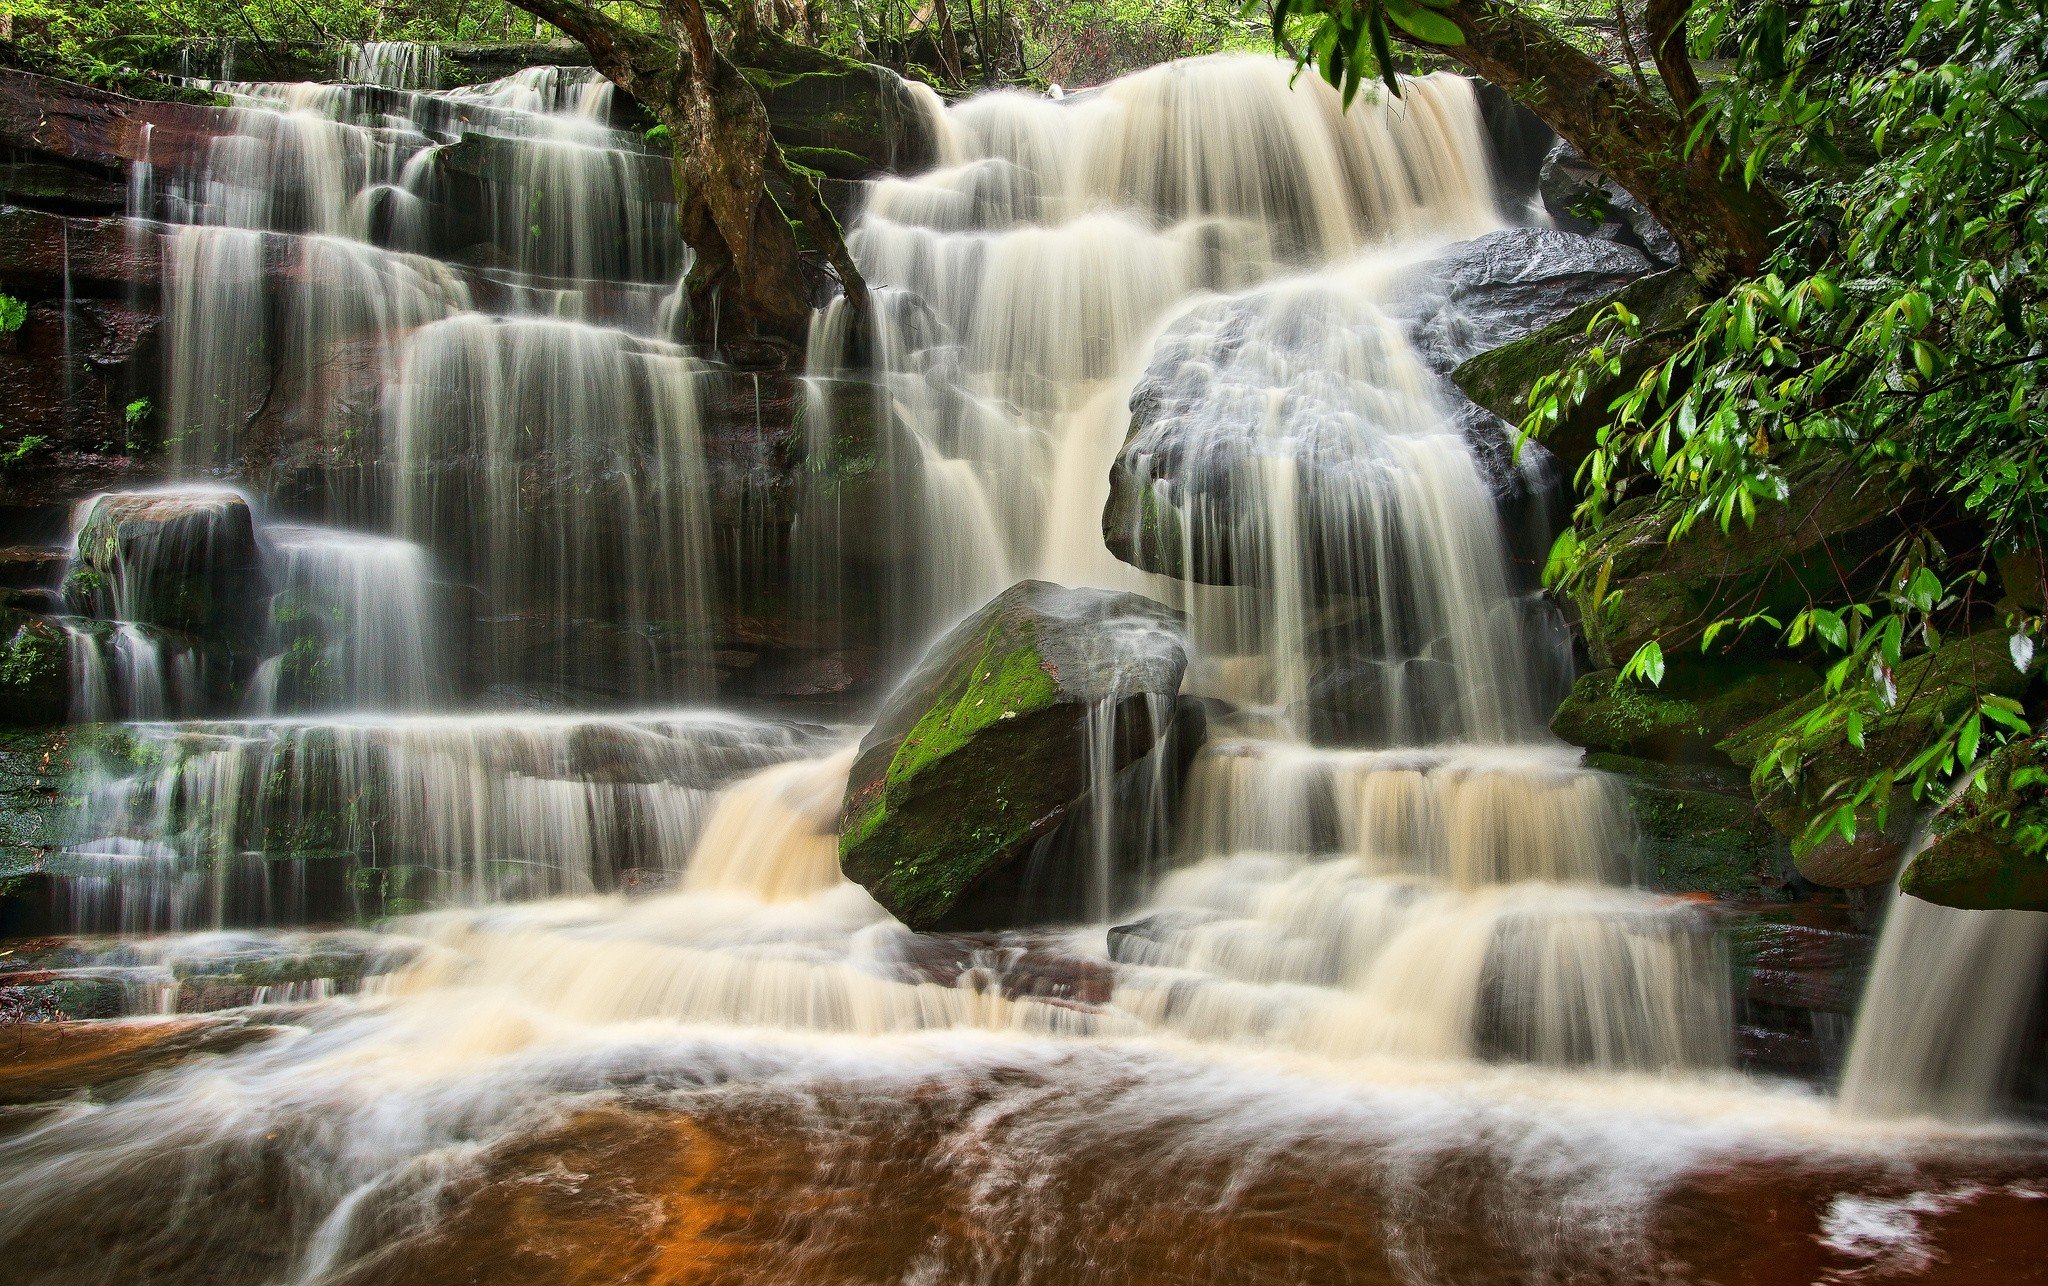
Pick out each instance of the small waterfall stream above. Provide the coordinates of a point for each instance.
(1400, 933)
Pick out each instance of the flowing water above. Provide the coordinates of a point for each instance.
(1400, 945)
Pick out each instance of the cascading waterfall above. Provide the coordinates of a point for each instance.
(241, 823)
(1945, 1009)
(1389, 924)
(352, 622)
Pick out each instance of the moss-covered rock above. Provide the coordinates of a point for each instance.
(1989, 850)
(35, 670)
(1698, 706)
(1640, 584)
(984, 749)
(1699, 828)
(1934, 688)
(842, 118)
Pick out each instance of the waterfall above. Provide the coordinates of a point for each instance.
(1379, 936)
(351, 624)
(287, 821)
(1944, 1011)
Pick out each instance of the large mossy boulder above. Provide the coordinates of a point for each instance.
(1933, 689)
(1642, 584)
(180, 558)
(985, 748)
(1989, 848)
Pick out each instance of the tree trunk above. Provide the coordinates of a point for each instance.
(1723, 228)
(749, 278)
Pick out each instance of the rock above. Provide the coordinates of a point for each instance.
(1934, 688)
(50, 256)
(1493, 290)
(35, 670)
(1701, 702)
(494, 158)
(1699, 828)
(983, 749)
(1299, 386)
(33, 566)
(1989, 850)
(1521, 143)
(1582, 199)
(80, 127)
(1648, 586)
(179, 558)
(1501, 378)
(49, 1060)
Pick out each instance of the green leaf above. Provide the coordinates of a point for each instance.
(1424, 25)
(1647, 663)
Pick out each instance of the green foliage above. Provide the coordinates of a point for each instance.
(13, 314)
(1898, 325)
(1353, 40)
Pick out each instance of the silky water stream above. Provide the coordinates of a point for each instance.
(1395, 1010)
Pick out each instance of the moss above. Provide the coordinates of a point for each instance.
(1702, 701)
(1699, 828)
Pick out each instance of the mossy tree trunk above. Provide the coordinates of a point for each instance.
(748, 279)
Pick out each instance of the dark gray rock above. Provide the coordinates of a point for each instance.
(1582, 199)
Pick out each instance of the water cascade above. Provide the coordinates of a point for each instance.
(1945, 1010)
(1387, 933)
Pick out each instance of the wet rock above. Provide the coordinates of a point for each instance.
(43, 1061)
(33, 566)
(984, 748)
(35, 670)
(1987, 852)
(1933, 688)
(1295, 390)
(1496, 289)
(62, 122)
(1500, 379)
(181, 559)
(1582, 199)
(844, 119)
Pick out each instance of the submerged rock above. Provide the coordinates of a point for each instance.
(985, 748)
(1987, 852)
